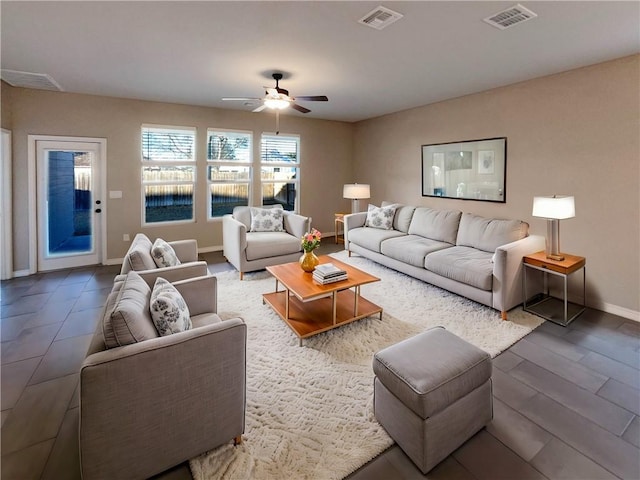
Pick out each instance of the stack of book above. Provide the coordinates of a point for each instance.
(328, 273)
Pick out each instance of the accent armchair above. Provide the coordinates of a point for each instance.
(154, 402)
(139, 259)
(249, 250)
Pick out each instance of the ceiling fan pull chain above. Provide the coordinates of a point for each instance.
(277, 122)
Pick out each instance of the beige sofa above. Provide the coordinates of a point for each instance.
(476, 257)
(139, 259)
(249, 251)
(155, 402)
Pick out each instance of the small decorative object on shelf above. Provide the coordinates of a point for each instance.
(310, 241)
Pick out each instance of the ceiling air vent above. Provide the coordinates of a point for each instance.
(380, 18)
(510, 17)
(39, 81)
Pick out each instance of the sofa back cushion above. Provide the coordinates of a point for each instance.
(440, 225)
(489, 233)
(126, 317)
(402, 218)
(139, 255)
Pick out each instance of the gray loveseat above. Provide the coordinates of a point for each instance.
(476, 257)
(148, 402)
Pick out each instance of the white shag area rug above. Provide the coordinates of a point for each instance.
(309, 409)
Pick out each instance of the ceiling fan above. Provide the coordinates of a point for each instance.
(278, 98)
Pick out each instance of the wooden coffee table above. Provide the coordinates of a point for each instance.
(310, 308)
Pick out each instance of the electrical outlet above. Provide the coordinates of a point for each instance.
(125, 237)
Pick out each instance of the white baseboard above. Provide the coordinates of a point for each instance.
(215, 248)
(21, 273)
(617, 310)
(113, 261)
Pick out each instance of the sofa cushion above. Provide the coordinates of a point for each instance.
(463, 264)
(380, 217)
(169, 311)
(243, 214)
(163, 254)
(411, 249)
(127, 318)
(204, 319)
(139, 254)
(271, 244)
(402, 218)
(488, 233)
(267, 220)
(372, 238)
(440, 225)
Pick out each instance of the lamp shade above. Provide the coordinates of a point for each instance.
(554, 207)
(356, 191)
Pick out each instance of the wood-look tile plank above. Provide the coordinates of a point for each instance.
(632, 433)
(609, 348)
(612, 368)
(569, 370)
(32, 342)
(597, 409)
(559, 461)
(448, 469)
(510, 390)
(516, 431)
(621, 394)
(608, 450)
(557, 345)
(64, 460)
(506, 361)
(486, 458)
(64, 357)
(15, 377)
(26, 464)
(38, 414)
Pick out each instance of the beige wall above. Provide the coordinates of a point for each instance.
(575, 133)
(325, 147)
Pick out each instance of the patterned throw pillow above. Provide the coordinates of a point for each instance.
(163, 254)
(380, 217)
(169, 311)
(267, 219)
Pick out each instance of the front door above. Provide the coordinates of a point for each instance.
(69, 204)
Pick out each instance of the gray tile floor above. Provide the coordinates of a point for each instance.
(566, 400)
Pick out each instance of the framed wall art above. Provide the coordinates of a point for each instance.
(467, 170)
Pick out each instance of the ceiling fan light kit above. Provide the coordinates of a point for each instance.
(278, 98)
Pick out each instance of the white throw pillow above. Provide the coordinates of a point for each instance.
(163, 254)
(267, 219)
(169, 311)
(380, 217)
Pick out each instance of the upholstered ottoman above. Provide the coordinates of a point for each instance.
(432, 392)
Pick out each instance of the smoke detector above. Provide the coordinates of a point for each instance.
(380, 18)
(38, 81)
(510, 17)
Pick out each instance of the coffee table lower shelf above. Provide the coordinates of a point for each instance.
(316, 316)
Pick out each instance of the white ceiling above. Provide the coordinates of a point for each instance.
(198, 52)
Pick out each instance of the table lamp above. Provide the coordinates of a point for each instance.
(356, 191)
(554, 209)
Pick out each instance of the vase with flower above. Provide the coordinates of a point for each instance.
(310, 241)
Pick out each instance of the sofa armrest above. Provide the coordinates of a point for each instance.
(353, 220)
(507, 271)
(200, 294)
(176, 273)
(151, 405)
(234, 240)
(186, 250)
(296, 225)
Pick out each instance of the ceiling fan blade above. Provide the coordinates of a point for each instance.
(259, 109)
(297, 107)
(313, 98)
(240, 98)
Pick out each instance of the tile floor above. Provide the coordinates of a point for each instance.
(566, 400)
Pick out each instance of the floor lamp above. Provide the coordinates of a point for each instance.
(356, 192)
(554, 209)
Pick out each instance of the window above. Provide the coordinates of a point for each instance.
(168, 173)
(229, 157)
(280, 170)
